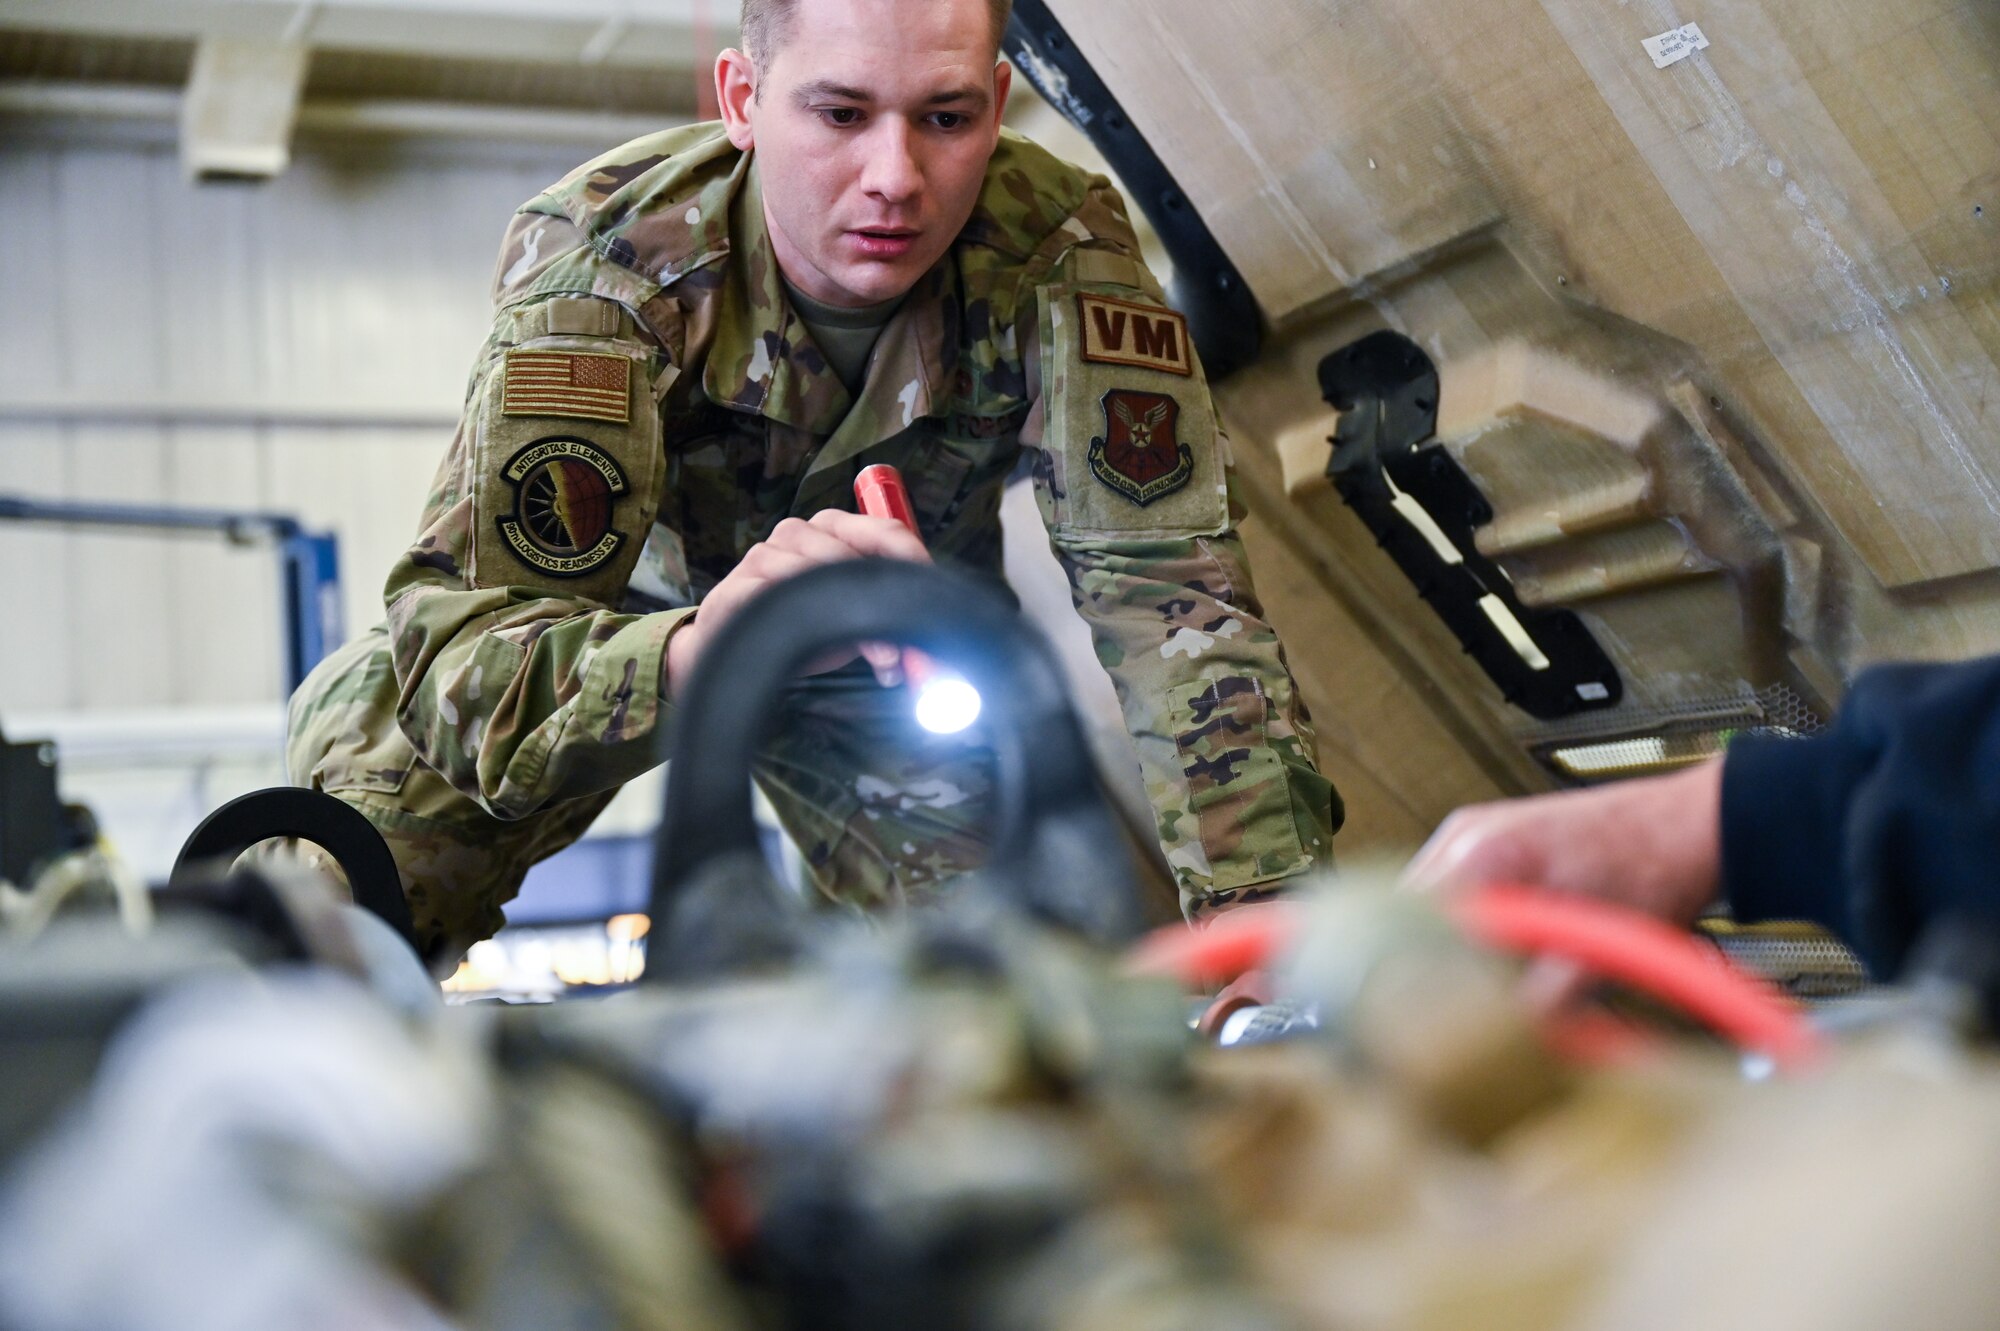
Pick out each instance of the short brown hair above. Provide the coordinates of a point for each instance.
(767, 23)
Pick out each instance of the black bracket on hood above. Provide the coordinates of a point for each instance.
(1221, 311)
(1386, 391)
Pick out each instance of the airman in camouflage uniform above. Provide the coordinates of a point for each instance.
(649, 407)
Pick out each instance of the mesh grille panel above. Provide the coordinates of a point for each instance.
(1649, 741)
(1805, 962)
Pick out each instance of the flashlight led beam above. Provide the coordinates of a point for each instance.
(946, 702)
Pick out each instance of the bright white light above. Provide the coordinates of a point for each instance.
(947, 704)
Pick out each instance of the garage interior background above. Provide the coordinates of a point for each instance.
(292, 335)
(1713, 318)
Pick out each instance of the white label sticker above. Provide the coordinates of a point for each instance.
(1672, 47)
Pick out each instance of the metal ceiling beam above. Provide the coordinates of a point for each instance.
(613, 32)
(340, 117)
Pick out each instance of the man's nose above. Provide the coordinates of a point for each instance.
(893, 174)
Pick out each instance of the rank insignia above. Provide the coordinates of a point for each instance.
(1123, 332)
(586, 385)
(1139, 455)
(564, 489)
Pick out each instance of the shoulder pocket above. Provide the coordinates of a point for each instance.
(567, 465)
(1128, 422)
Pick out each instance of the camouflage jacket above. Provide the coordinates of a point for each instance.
(648, 407)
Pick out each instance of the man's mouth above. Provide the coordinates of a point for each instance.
(887, 242)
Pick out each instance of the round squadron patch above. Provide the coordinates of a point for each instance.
(1139, 455)
(564, 490)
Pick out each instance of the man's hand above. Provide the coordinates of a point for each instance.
(795, 545)
(1654, 844)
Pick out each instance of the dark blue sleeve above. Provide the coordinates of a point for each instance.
(1887, 821)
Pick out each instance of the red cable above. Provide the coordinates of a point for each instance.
(1597, 1038)
(1648, 954)
(1216, 952)
(1614, 942)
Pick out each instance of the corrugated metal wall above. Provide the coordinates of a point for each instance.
(299, 347)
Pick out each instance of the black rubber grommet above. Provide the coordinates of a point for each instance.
(310, 815)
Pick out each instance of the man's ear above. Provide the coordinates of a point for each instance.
(735, 89)
(1003, 82)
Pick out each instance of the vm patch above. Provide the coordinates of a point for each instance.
(1123, 332)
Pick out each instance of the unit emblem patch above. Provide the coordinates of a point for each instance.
(1122, 332)
(1139, 455)
(587, 385)
(564, 489)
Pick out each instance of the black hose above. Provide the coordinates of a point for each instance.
(1057, 851)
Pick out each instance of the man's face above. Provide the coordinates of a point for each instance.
(873, 124)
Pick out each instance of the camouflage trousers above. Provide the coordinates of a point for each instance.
(880, 810)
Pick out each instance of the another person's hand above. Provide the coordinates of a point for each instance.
(794, 546)
(1654, 844)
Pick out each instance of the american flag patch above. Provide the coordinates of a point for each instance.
(568, 383)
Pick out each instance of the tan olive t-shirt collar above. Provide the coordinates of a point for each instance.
(844, 335)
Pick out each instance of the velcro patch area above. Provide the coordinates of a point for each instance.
(564, 504)
(1123, 332)
(578, 384)
(1135, 450)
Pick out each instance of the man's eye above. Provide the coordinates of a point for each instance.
(949, 119)
(840, 115)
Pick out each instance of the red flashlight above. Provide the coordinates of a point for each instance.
(880, 492)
